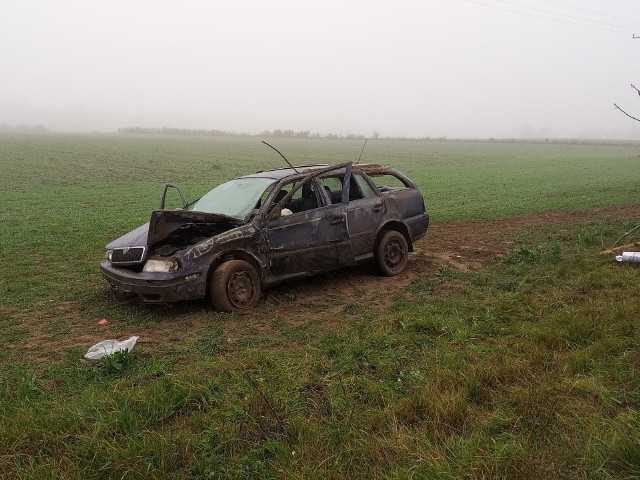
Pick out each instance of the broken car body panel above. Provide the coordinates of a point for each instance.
(285, 224)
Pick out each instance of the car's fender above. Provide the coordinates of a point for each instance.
(394, 224)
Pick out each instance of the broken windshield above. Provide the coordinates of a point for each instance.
(236, 198)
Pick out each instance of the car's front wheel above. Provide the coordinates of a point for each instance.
(235, 286)
(392, 253)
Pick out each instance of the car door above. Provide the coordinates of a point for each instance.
(312, 239)
(364, 214)
(365, 208)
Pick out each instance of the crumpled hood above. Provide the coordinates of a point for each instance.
(134, 238)
(164, 222)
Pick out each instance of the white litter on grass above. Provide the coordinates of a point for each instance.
(109, 347)
(631, 257)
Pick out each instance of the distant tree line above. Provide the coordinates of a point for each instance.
(179, 131)
(277, 133)
(23, 128)
(562, 141)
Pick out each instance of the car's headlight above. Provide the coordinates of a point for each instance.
(108, 255)
(161, 265)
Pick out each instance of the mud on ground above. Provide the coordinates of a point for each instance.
(317, 304)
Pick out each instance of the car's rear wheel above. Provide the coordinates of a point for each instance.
(392, 253)
(235, 286)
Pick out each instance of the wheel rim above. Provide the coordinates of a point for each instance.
(240, 289)
(393, 254)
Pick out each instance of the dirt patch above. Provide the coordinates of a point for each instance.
(323, 302)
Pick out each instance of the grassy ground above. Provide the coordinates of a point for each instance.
(64, 197)
(526, 368)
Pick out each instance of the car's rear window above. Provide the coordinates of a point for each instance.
(388, 182)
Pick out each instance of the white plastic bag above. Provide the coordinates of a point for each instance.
(108, 347)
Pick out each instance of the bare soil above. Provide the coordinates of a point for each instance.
(321, 302)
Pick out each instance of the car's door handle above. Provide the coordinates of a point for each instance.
(377, 208)
(337, 220)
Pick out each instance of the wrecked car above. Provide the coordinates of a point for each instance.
(266, 228)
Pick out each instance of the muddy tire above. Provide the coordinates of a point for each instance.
(235, 286)
(391, 254)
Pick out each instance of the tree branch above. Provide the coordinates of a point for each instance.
(636, 119)
(271, 409)
(635, 88)
(625, 234)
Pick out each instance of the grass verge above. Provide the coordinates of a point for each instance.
(527, 368)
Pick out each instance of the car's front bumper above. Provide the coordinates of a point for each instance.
(158, 287)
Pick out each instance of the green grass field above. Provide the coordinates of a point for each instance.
(528, 367)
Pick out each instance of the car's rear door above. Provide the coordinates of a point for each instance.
(365, 209)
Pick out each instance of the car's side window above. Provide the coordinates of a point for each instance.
(303, 199)
(333, 188)
(388, 182)
(358, 188)
(365, 188)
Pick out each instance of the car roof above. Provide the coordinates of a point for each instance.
(280, 173)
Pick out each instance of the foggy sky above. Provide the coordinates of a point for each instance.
(405, 68)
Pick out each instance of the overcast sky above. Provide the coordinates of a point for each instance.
(404, 68)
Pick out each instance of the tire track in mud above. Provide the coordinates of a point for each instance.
(329, 300)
